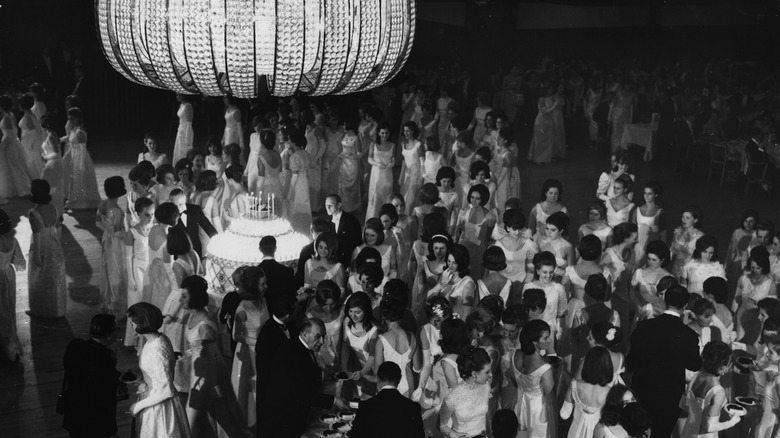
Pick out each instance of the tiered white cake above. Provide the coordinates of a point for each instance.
(239, 245)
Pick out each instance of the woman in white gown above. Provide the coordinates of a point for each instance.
(315, 146)
(705, 397)
(535, 384)
(298, 205)
(620, 114)
(52, 170)
(158, 410)
(184, 134)
(397, 345)
(330, 161)
(382, 159)
(465, 408)
(186, 264)
(113, 264)
(152, 153)
(211, 410)
(269, 168)
(411, 172)
(15, 175)
(587, 394)
(32, 136)
(159, 279)
(81, 189)
(234, 129)
(251, 314)
(137, 238)
(255, 148)
(46, 276)
(11, 261)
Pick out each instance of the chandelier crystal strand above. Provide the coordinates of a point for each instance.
(219, 47)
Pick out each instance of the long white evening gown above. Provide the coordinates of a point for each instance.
(250, 172)
(52, 172)
(249, 320)
(81, 188)
(15, 176)
(234, 131)
(32, 137)
(184, 134)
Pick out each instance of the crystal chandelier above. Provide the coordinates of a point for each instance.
(239, 47)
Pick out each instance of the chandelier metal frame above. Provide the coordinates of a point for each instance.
(246, 47)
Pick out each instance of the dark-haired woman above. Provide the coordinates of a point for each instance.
(552, 193)
(609, 424)
(519, 250)
(269, 168)
(429, 272)
(437, 311)
(16, 175)
(454, 338)
(111, 219)
(755, 284)
(359, 336)
(739, 246)
(349, 170)
(555, 308)
(255, 147)
(449, 197)
(298, 203)
(374, 237)
(186, 263)
(620, 207)
(587, 395)
(597, 225)
(381, 158)
(159, 279)
(137, 238)
(52, 170)
(475, 225)
(250, 316)
(507, 174)
(705, 397)
(462, 157)
(465, 409)
(411, 171)
(649, 219)
(234, 205)
(32, 135)
(535, 382)
(644, 283)
(324, 263)
(158, 410)
(46, 276)
(327, 306)
(211, 406)
(702, 265)
(608, 336)
(619, 260)
(397, 345)
(541, 150)
(315, 146)
(494, 282)
(81, 189)
(456, 284)
(684, 238)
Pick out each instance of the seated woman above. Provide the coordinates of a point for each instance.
(324, 264)
(703, 265)
(374, 237)
(327, 306)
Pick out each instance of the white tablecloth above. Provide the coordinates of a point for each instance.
(639, 134)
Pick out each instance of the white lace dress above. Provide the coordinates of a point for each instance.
(166, 418)
(468, 403)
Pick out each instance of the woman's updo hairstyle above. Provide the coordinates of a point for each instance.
(438, 238)
(268, 139)
(494, 259)
(703, 243)
(532, 332)
(389, 211)
(391, 309)
(514, 219)
(660, 250)
(479, 166)
(445, 172)
(472, 360)
(559, 220)
(589, 248)
(438, 307)
(544, 258)
(760, 255)
(623, 231)
(606, 334)
(454, 336)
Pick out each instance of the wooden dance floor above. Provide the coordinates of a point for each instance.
(28, 390)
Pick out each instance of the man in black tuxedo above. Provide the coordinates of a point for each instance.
(319, 225)
(662, 349)
(192, 220)
(295, 385)
(280, 278)
(91, 381)
(346, 227)
(273, 334)
(388, 414)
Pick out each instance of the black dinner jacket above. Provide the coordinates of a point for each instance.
(662, 349)
(269, 340)
(294, 388)
(280, 278)
(373, 419)
(196, 220)
(91, 379)
(350, 235)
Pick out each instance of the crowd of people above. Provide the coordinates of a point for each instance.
(499, 322)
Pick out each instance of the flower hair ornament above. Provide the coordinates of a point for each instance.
(440, 310)
(611, 334)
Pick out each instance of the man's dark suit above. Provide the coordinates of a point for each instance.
(280, 279)
(388, 415)
(91, 379)
(307, 252)
(350, 235)
(195, 221)
(662, 349)
(293, 389)
(270, 338)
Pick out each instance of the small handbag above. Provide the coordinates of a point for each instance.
(62, 397)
